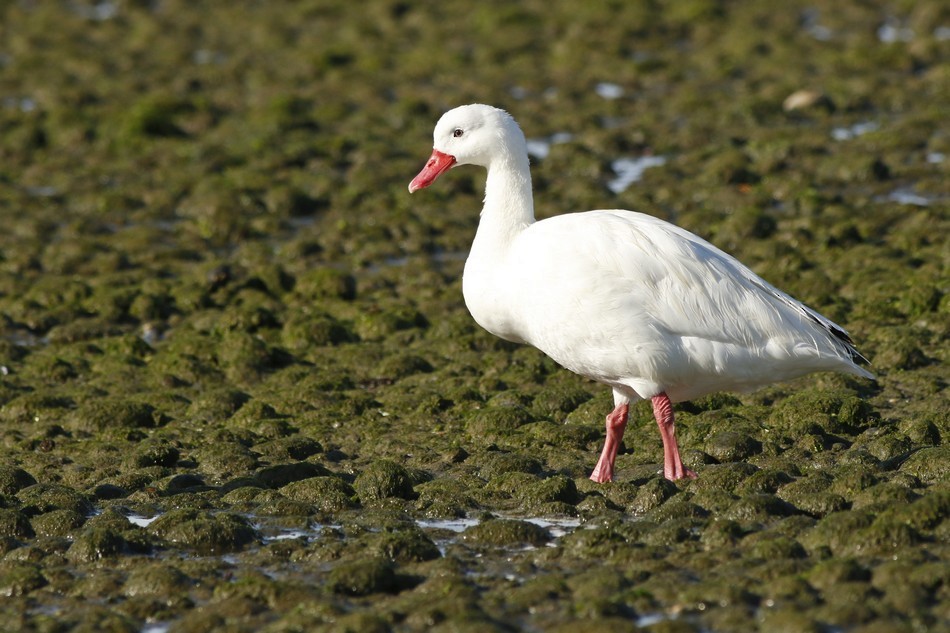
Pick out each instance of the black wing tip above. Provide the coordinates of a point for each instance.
(842, 335)
(836, 331)
(856, 357)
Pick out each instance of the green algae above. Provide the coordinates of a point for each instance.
(383, 479)
(203, 532)
(15, 525)
(362, 578)
(506, 532)
(219, 306)
(19, 579)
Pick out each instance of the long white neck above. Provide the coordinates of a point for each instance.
(509, 205)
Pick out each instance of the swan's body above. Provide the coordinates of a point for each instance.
(623, 298)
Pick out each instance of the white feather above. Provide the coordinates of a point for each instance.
(624, 298)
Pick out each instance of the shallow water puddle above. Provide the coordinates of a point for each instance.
(894, 30)
(452, 525)
(557, 527)
(609, 91)
(25, 338)
(23, 104)
(272, 533)
(98, 12)
(908, 197)
(541, 147)
(141, 521)
(630, 170)
(811, 22)
(853, 131)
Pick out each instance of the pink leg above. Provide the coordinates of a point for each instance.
(673, 468)
(616, 423)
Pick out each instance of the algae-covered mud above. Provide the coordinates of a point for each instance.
(239, 390)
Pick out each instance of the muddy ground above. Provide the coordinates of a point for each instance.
(240, 390)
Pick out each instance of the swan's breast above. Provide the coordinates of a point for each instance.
(487, 296)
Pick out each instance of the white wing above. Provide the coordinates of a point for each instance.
(634, 301)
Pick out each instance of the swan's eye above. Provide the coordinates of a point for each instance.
(458, 132)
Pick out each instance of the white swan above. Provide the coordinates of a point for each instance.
(622, 298)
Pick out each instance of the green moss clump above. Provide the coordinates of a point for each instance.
(384, 479)
(548, 490)
(883, 495)
(114, 414)
(832, 572)
(822, 412)
(491, 464)
(244, 357)
(790, 619)
(58, 523)
(651, 495)
(930, 465)
(399, 366)
(43, 497)
(295, 447)
(835, 532)
(555, 402)
(95, 543)
(280, 475)
(732, 446)
(380, 323)
(493, 424)
(203, 532)
(152, 116)
(303, 332)
(155, 453)
(20, 578)
(15, 525)
(924, 513)
(446, 498)
(226, 459)
(759, 507)
(362, 578)
(601, 542)
(217, 405)
(324, 283)
(728, 477)
(329, 494)
(156, 579)
(765, 480)
(13, 479)
(403, 546)
(506, 533)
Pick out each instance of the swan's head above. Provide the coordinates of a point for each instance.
(474, 134)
